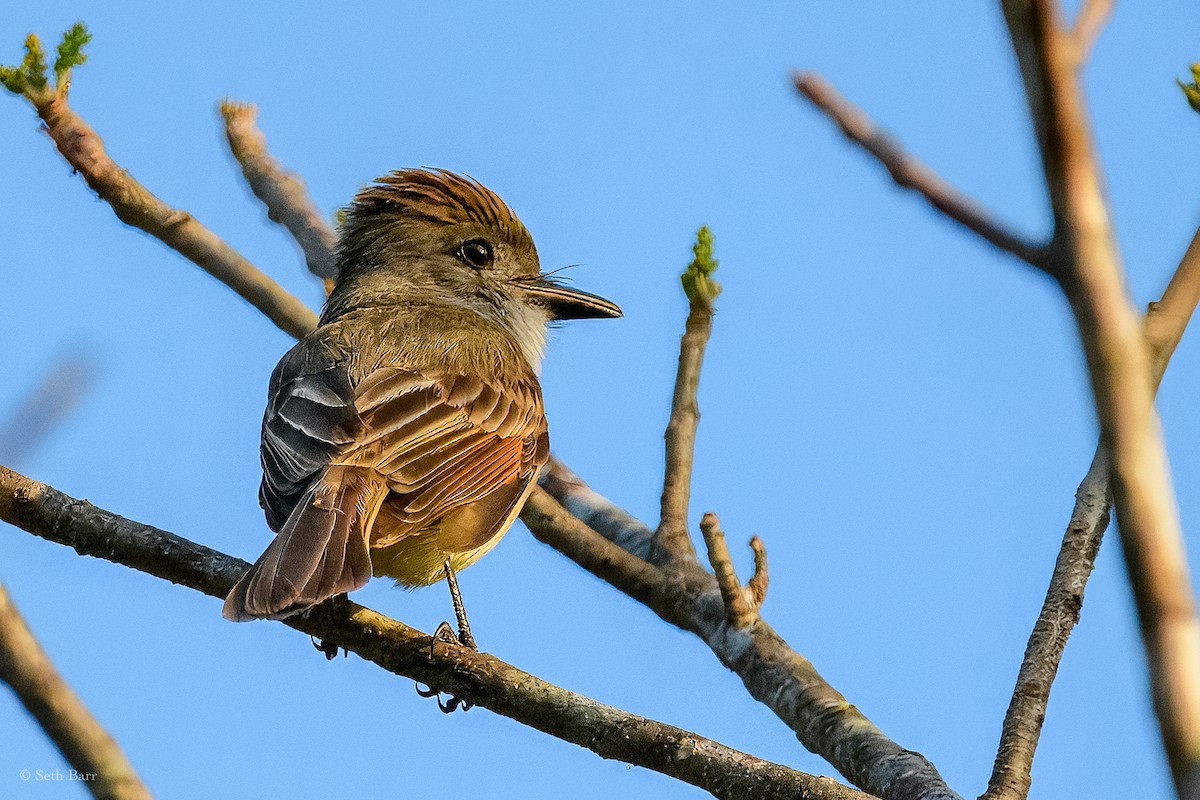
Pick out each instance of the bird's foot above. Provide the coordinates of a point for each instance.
(447, 706)
(446, 635)
(328, 648)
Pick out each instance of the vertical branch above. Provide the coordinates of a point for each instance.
(88, 748)
(1119, 364)
(671, 538)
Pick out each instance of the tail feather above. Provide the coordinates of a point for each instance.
(321, 551)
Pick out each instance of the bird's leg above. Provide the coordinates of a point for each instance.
(445, 634)
(464, 630)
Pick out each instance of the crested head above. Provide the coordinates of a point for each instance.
(421, 199)
(431, 236)
(420, 236)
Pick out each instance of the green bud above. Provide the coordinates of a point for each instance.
(70, 51)
(1192, 91)
(697, 280)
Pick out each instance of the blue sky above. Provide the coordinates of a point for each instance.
(900, 413)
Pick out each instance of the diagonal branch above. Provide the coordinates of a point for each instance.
(135, 205)
(1089, 21)
(281, 191)
(1119, 363)
(689, 597)
(478, 677)
(60, 390)
(1164, 325)
(910, 173)
(87, 747)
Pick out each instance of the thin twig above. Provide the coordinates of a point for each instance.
(135, 205)
(1089, 21)
(478, 677)
(1120, 366)
(671, 540)
(281, 191)
(738, 608)
(757, 585)
(688, 596)
(910, 173)
(84, 743)
(59, 391)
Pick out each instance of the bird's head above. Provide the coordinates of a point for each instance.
(431, 234)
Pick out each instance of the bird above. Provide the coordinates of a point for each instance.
(402, 436)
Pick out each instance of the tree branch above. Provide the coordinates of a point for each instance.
(59, 391)
(477, 677)
(910, 173)
(281, 191)
(84, 743)
(1164, 324)
(1060, 613)
(740, 607)
(689, 597)
(672, 542)
(1120, 366)
(1089, 21)
(134, 205)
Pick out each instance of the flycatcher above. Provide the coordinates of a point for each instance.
(402, 436)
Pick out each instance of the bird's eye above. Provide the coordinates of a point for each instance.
(476, 253)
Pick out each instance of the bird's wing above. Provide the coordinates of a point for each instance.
(444, 441)
(331, 452)
(310, 419)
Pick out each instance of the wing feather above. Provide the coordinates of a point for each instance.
(422, 444)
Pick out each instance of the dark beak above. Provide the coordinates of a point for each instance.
(567, 303)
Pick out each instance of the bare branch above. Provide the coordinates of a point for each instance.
(135, 205)
(1164, 325)
(776, 675)
(594, 510)
(739, 610)
(671, 539)
(84, 743)
(1167, 319)
(59, 392)
(281, 191)
(910, 173)
(1089, 22)
(757, 585)
(1059, 615)
(1120, 367)
(480, 678)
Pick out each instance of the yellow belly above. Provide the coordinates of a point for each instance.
(463, 536)
(420, 560)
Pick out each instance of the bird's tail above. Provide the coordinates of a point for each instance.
(322, 550)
